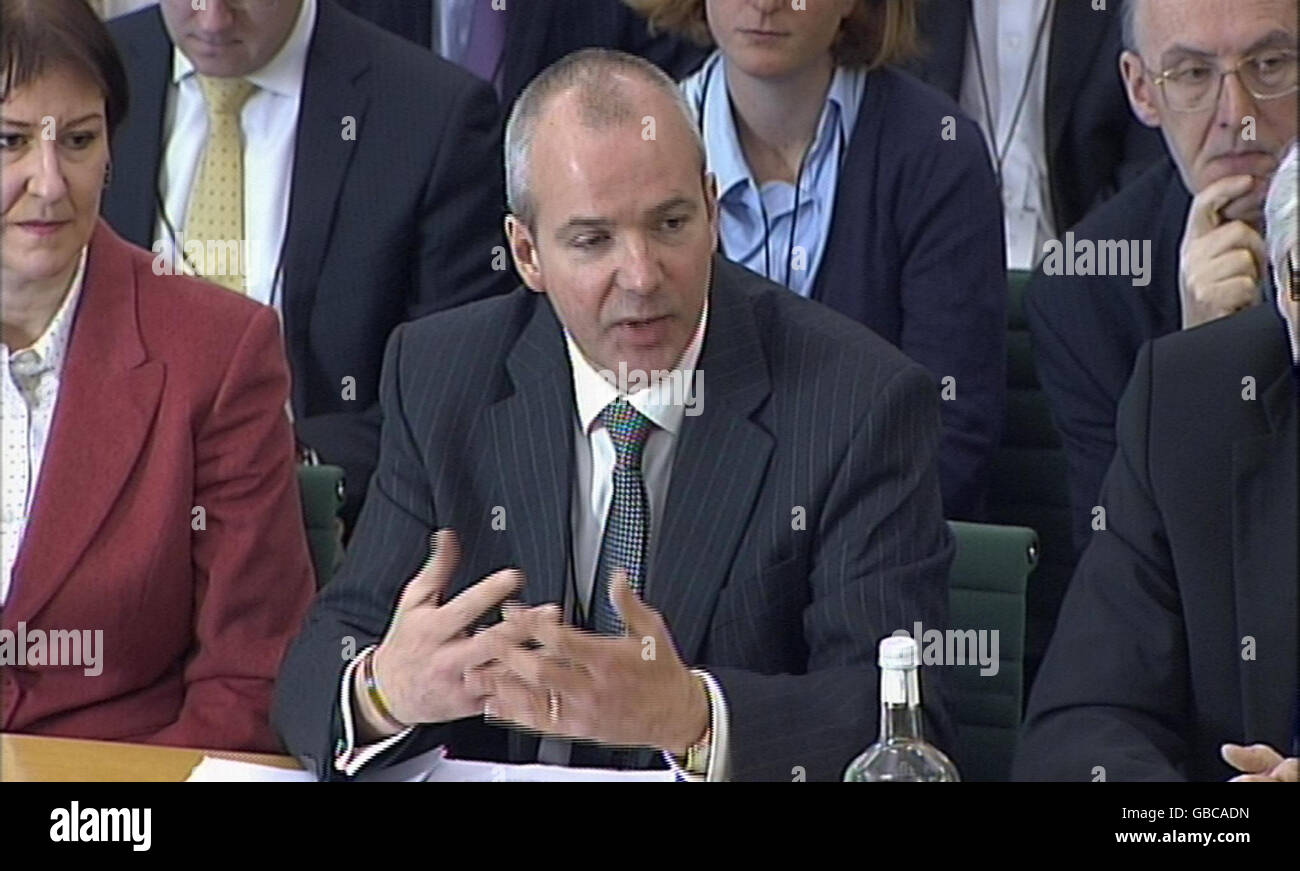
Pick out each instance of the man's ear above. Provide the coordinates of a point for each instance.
(1141, 92)
(524, 252)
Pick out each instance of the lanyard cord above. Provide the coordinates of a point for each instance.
(798, 180)
(1000, 151)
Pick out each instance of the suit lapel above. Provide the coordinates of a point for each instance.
(137, 151)
(1266, 565)
(1077, 32)
(531, 436)
(108, 397)
(718, 467)
(331, 92)
(945, 26)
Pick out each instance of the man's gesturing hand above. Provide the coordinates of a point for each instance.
(1261, 764)
(1221, 261)
(632, 691)
(421, 664)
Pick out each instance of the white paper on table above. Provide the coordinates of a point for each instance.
(432, 766)
(213, 770)
(471, 771)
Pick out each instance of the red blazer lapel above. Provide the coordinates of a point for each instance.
(108, 396)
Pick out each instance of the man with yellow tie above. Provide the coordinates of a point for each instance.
(290, 151)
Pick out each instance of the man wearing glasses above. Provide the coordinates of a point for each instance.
(1218, 78)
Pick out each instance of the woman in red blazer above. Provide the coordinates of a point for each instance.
(149, 503)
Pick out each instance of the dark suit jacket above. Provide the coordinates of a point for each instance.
(1094, 144)
(171, 397)
(1147, 673)
(1087, 330)
(801, 408)
(540, 32)
(399, 223)
(915, 252)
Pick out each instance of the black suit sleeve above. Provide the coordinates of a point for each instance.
(1082, 407)
(1112, 693)
(460, 257)
(353, 611)
(953, 294)
(880, 565)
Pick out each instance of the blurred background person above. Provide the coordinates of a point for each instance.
(148, 486)
(507, 42)
(1179, 631)
(1218, 78)
(895, 224)
(360, 172)
(1039, 76)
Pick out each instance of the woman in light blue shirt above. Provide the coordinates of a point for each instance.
(897, 221)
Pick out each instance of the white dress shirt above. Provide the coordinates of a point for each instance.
(594, 457)
(28, 392)
(1007, 29)
(269, 121)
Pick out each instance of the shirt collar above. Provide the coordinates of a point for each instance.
(663, 402)
(727, 158)
(51, 347)
(283, 74)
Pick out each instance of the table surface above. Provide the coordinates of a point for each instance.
(40, 758)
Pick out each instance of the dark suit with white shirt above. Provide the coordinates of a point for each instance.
(400, 221)
(802, 520)
(1094, 144)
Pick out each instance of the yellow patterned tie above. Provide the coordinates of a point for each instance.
(216, 210)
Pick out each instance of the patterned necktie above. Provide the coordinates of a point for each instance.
(216, 210)
(626, 526)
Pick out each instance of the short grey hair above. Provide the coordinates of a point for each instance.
(603, 101)
(1280, 211)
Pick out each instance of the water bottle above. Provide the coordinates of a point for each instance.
(901, 753)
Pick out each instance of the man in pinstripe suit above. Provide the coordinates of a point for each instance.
(755, 538)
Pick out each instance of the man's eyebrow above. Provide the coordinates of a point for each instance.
(1275, 38)
(93, 116)
(671, 205)
(581, 223)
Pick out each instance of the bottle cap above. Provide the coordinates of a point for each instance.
(898, 652)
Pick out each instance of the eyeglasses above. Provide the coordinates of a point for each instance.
(1195, 85)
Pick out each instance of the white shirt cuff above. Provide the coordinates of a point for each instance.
(349, 758)
(719, 725)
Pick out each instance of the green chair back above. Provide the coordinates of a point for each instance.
(1030, 486)
(986, 591)
(321, 490)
